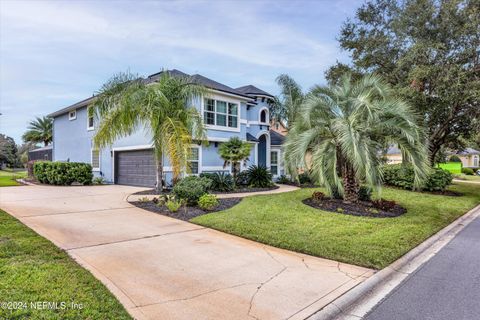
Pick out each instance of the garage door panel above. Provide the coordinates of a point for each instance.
(136, 168)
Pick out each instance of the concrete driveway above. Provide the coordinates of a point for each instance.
(163, 268)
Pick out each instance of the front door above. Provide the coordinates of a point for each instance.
(262, 151)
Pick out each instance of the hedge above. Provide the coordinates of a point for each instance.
(402, 176)
(62, 173)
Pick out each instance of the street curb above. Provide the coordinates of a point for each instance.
(357, 302)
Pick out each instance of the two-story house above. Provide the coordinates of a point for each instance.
(227, 112)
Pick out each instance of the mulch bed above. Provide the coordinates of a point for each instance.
(186, 213)
(238, 190)
(361, 208)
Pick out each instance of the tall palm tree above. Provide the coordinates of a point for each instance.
(286, 106)
(39, 131)
(233, 152)
(164, 109)
(345, 126)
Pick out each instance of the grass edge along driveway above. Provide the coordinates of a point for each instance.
(283, 221)
(7, 178)
(32, 269)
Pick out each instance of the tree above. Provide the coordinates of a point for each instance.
(285, 107)
(428, 51)
(164, 109)
(233, 152)
(39, 131)
(345, 127)
(8, 151)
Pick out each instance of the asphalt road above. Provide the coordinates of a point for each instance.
(446, 287)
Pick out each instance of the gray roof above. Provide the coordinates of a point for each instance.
(251, 138)
(254, 91)
(42, 148)
(79, 104)
(468, 151)
(197, 78)
(276, 139)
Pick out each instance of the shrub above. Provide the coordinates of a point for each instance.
(173, 205)
(365, 193)
(402, 176)
(468, 171)
(259, 177)
(455, 158)
(63, 173)
(242, 179)
(192, 188)
(98, 180)
(208, 202)
(318, 196)
(384, 205)
(283, 179)
(221, 181)
(304, 178)
(144, 199)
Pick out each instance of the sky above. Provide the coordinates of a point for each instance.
(56, 53)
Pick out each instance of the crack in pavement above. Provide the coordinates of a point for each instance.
(197, 295)
(259, 288)
(346, 273)
(135, 239)
(284, 267)
(84, 211)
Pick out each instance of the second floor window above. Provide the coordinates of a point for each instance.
(220, 113)
(90, 123)
(263, 116)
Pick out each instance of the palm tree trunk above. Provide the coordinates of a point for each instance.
(234, 173)
(159, 184)
(350, 184)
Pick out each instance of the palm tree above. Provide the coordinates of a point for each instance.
(233, 152)
(285, 108)
(345, 126)
(164, 109)
(39, 131)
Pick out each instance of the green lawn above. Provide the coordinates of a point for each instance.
(282, 220)
(7, 178)
(453, 167)
(33, 270)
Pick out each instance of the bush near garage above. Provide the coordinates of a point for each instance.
(401, 175)
(63, 173)
(191, 188)
(468, 171)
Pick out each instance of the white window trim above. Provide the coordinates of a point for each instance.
(70, 117)
(199, 161)
(88, 121)
(221, 128)
(267, 118)
(99, 159)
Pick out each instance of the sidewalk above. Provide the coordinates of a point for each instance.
(446, 287)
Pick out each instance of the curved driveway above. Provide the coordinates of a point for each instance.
(163, 268)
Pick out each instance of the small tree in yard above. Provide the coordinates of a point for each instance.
(233, 152)
(162, 108)
(344, 128)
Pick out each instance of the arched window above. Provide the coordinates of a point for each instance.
(475, 161)
(263, 116)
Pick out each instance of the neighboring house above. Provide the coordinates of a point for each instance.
(44, 153)
(279, 126)
(470, 158)
(242, 112)
(393, 155)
